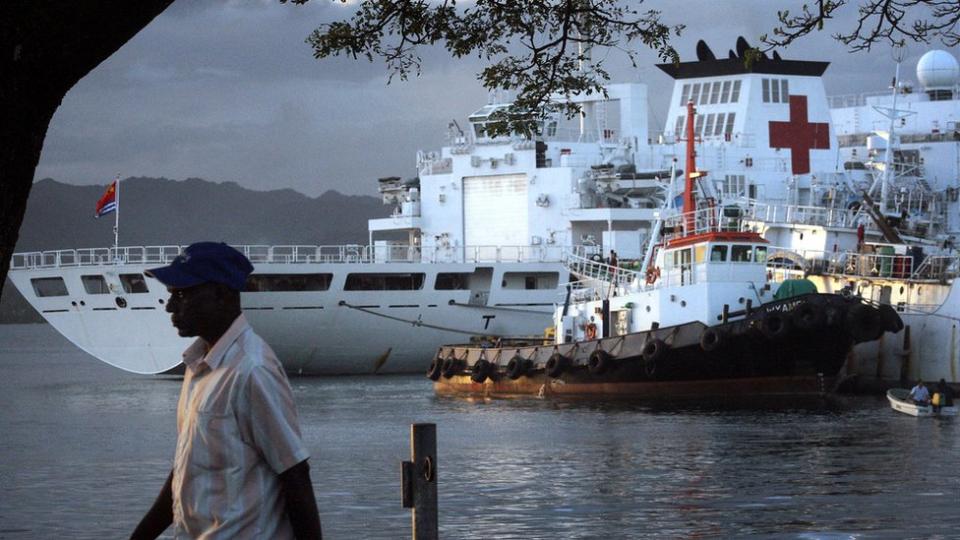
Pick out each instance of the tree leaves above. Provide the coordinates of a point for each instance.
(539, 48)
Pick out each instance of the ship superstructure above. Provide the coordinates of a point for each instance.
(477, 239)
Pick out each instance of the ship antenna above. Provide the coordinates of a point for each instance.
(898, 53)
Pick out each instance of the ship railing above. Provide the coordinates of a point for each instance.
(703, 220)
(94, 257)
(296, 254)
(589, 267)
(787, 263)
(788, 213)
(490, 254)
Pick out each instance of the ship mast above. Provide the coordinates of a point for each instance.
(689, 201)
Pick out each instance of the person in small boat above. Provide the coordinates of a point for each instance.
(944, 396)
(919, 394)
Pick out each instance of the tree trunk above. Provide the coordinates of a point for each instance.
(46, 46)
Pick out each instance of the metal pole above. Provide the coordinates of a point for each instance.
(418, 486)
(116, 222)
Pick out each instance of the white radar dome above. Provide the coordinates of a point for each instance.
(938, 69)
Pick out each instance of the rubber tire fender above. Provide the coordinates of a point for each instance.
(516, 367)
(556, 365)
(807, 316)
(774, 325)
(436, 369)
(652, 353)
(481, 371)
(450, 366)
(712, 339)
(599, 362)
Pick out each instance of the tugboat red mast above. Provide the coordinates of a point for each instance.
(691, 173)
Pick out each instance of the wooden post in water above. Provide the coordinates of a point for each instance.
(418, 482)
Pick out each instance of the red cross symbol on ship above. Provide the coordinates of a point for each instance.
(799, 135)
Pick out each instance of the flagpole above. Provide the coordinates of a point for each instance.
(116, 222)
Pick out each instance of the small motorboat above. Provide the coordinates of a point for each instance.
(900, 401)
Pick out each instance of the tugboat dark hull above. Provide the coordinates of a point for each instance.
(795, 346)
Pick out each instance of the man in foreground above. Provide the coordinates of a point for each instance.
(240, 468)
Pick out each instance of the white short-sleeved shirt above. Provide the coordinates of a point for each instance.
(237, 430)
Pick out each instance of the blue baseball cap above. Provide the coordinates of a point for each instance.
(205, 262)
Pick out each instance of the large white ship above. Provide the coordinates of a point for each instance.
(489, 220)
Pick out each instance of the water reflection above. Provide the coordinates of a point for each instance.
(94, 445)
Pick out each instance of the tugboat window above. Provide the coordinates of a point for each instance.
(288, 282)
(384, 282)
(718, 253)
(133, 283)
(95, 284)
(452, 281)
(760, 254)
(740, 253)
(53, 286)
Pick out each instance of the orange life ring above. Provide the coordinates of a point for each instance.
(590, 331)
(653, 274)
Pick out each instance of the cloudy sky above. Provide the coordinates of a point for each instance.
(227, 90)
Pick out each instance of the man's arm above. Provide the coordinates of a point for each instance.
(301, 503)
(160, 515)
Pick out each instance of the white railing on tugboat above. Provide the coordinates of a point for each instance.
(585, 263)
(701, 221)
(360, 254)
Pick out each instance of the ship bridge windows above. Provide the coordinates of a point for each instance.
(775, 91)
(694, 94)
(760, 254)
(711, 93)
(95, 284)
(718, 129)
(52, 286)
(718, 253)
(728, 130)
(530, 280)
(748, 253)
(708, 125)
(288, 282)
(678, 258)
(133, 283)
(740, 253)
(734, 185)
(715, 92)
(725, 92)
(452, 281)
(407, 281)
(698, 125)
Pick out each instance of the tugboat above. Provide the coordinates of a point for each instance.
(699, 318)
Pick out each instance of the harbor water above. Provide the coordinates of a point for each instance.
(86, 447)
